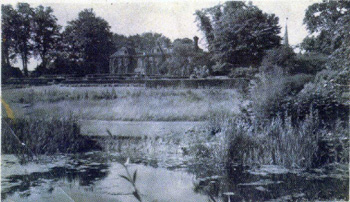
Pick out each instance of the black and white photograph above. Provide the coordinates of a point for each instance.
(175, 100)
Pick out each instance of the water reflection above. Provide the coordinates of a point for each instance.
(238, 184)
(81, 169)
(93, 176)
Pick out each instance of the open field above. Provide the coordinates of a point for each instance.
(123, 103)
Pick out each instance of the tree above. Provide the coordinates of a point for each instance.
(22, 19)
(148, 40)
(329, 23)
(45, 34)
(238, 34)
(120, 40)
(88, 41)
(7, 37)
(185, 58)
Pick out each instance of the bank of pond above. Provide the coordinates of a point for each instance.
(50, 160)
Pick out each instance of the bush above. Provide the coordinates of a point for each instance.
(272, 93)
(327, 95)
(282, 56)
(243, 72)
(267, 92)
(309, 63)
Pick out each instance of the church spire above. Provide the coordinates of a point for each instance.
(285, 38)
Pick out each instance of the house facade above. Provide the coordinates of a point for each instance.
(129, 61)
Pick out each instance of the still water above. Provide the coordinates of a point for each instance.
(94, 177)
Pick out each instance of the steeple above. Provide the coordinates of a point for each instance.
(285, 38)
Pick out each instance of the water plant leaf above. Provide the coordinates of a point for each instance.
(109, 133)
(122, 176)
(135, 175)
(136, 194)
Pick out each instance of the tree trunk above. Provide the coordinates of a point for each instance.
(25, 65)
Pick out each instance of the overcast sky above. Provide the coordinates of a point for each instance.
(172, 18)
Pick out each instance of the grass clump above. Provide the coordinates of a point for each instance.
(241, 140)
(30, 137)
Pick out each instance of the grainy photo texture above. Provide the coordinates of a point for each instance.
(175, 100)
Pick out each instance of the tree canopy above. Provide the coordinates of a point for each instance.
(46, 33)
(329, 26)
(7, 37)
(88, 42)
(237, 33)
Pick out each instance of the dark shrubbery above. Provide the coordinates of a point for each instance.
(282, 56)
(242, 72)
(28, 138)
(276, 93)
(327, 94)
(309, 63)
(271, 92)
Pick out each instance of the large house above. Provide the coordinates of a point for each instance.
(130, 61)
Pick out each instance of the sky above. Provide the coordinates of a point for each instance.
(172, 18)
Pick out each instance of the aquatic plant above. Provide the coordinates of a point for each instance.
(28, 138)
(240, 140)
(132, 179)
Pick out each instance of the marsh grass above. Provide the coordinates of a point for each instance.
(32, 137)
(124, 103)
(238, 140)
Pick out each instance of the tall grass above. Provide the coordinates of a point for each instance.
(238, 140)
(31, 137)
(122, 103)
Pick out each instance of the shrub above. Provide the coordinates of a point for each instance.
(243, 72)
(309, 63)
(282, 56)
(267, 93)
(327, 95)
(273, 93)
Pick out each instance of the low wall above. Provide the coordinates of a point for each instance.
(198, 83)
(237, 83)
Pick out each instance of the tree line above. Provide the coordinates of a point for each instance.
(238, 35)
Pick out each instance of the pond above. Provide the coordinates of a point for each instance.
(95, 176)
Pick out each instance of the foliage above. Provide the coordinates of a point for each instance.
(132, 180)
(271, 92)
(28, 138)
(7, 35)
(186, 61)
(46, 34)
(241, 140)
(8, 72)
(28, 31)
(21, 22)
(89, 42)
(243, 72)
(282, 56)
(329, 23)
(238, 34)
(327, 95)
(309, 63)
(267, 93)
(148, 40)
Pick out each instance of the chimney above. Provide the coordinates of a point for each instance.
(195, 39)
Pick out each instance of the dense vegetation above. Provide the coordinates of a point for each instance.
(296, 103)
(30, 138)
